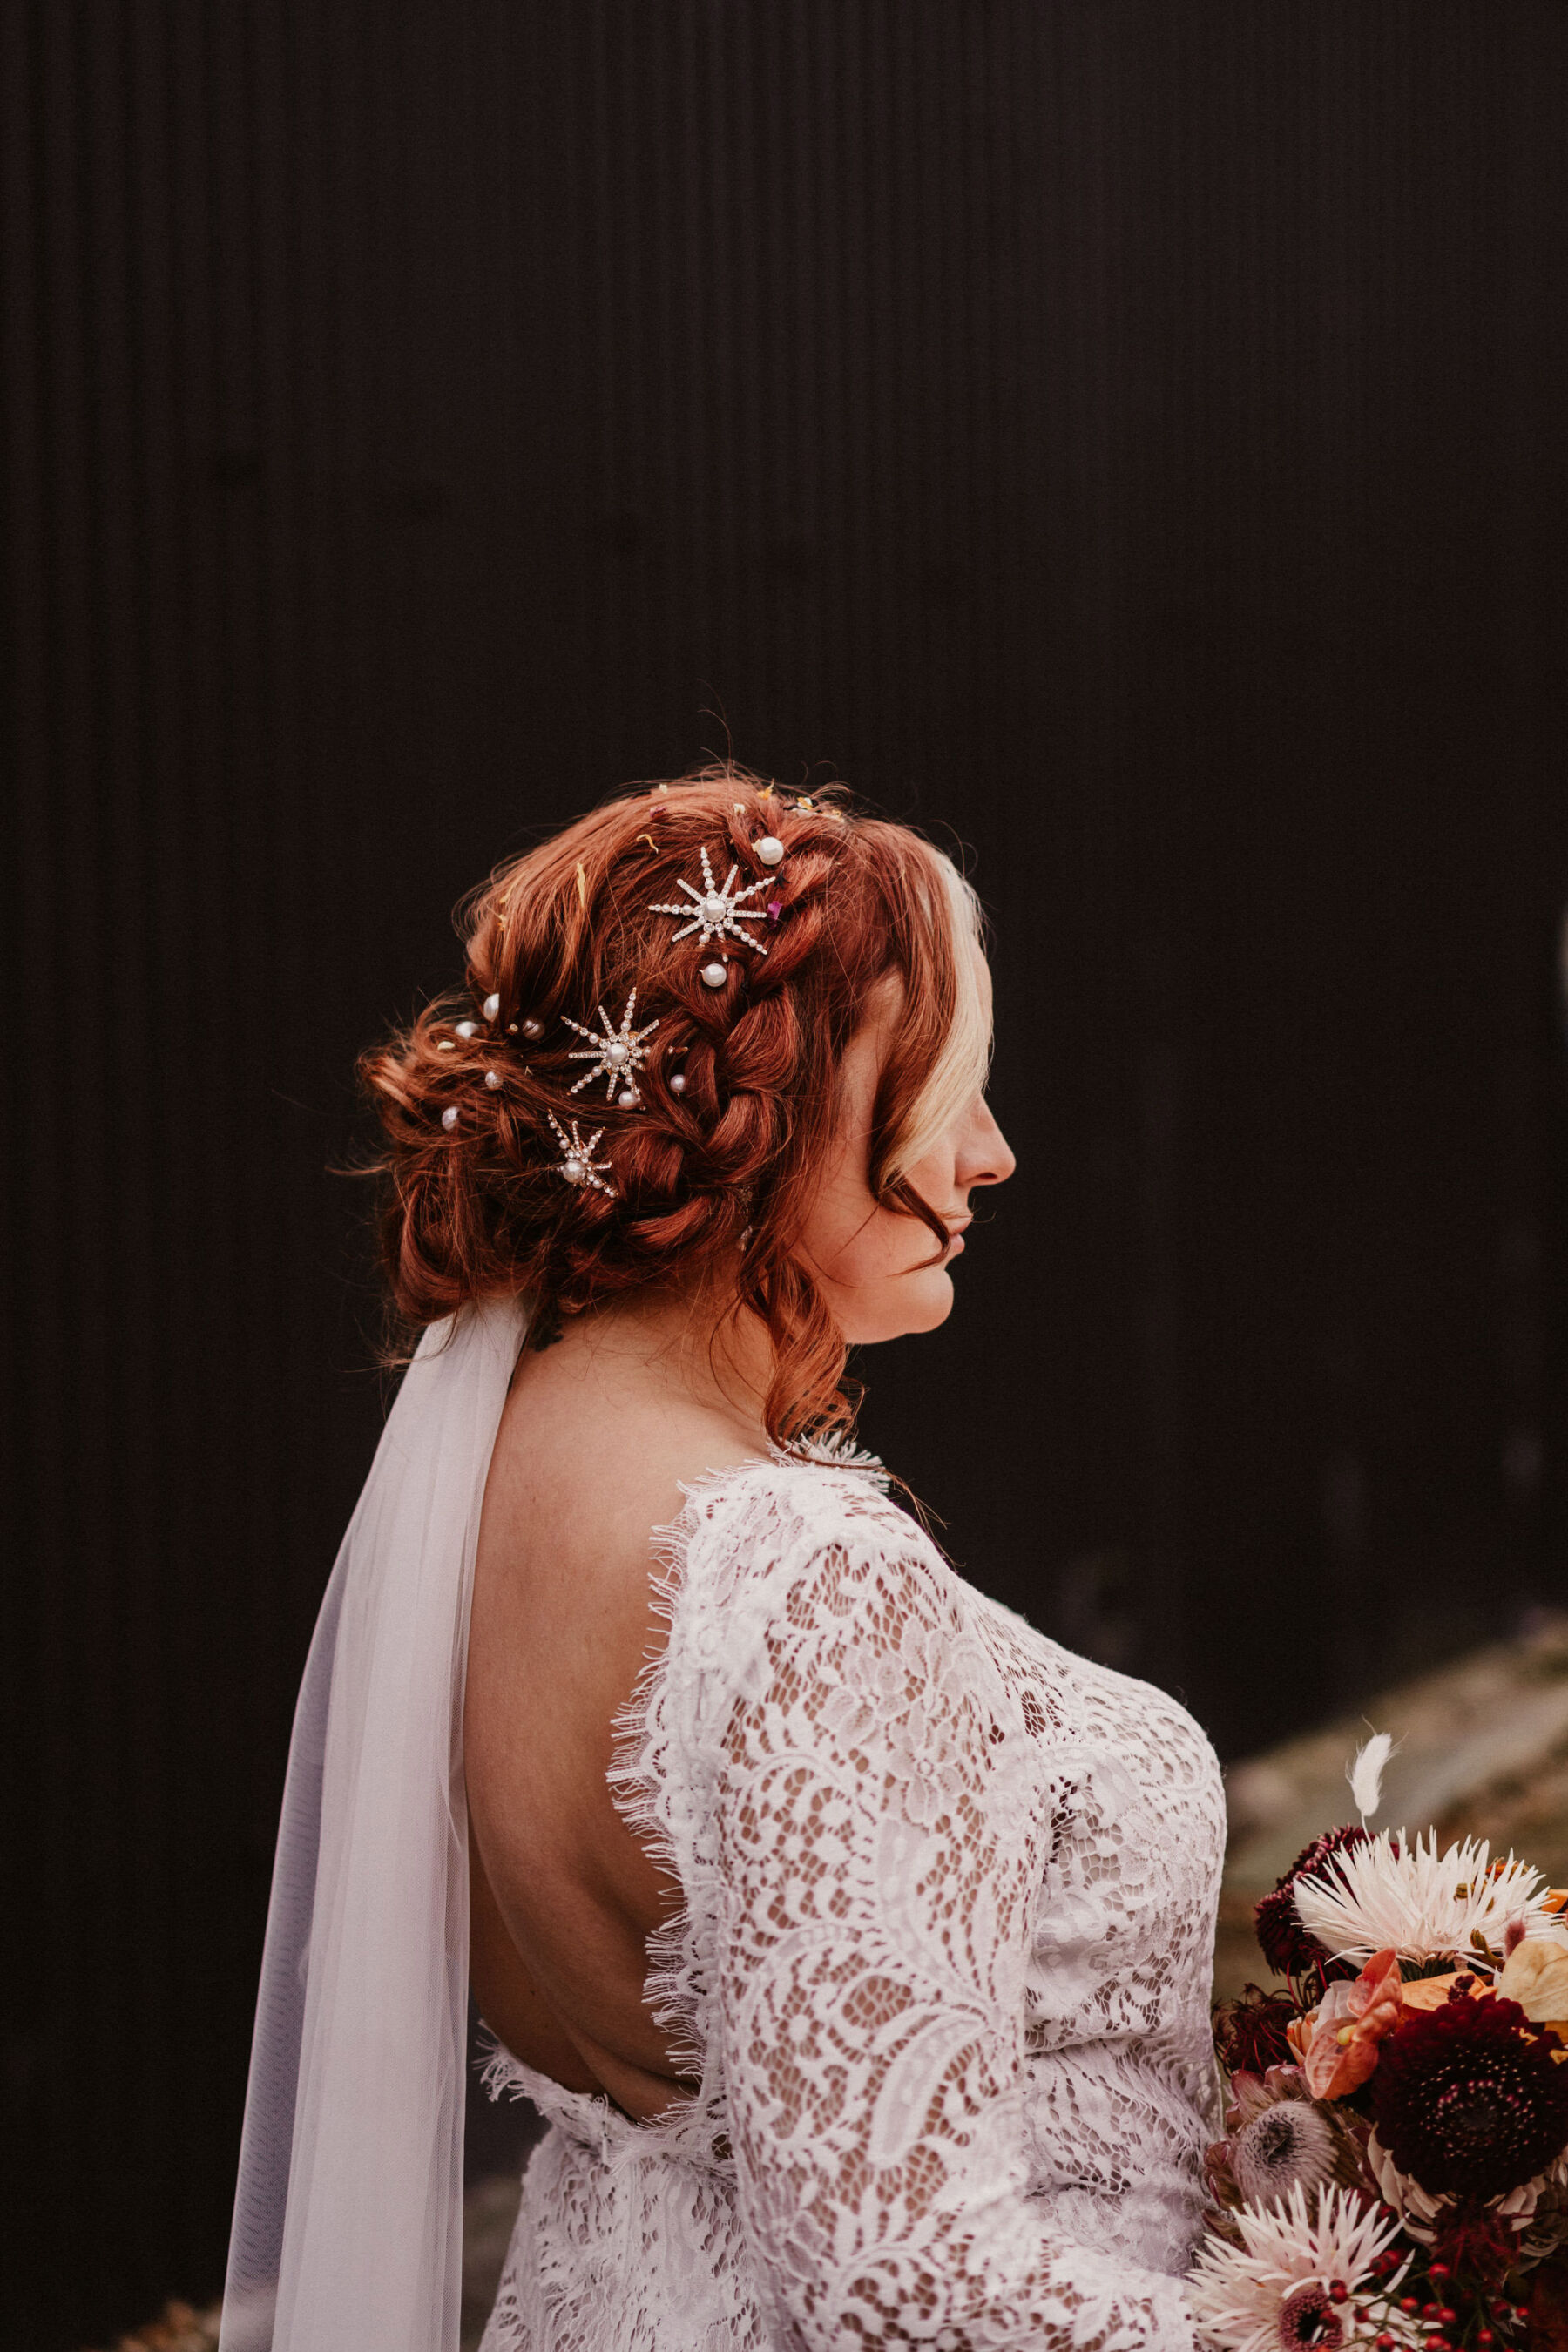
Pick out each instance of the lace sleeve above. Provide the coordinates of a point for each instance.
(880, 1836)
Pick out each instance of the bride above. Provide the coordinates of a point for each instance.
(853, 1938)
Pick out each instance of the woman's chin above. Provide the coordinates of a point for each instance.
(917, 1301)
(937, 1287)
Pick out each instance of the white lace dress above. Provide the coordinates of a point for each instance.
(942, 1973)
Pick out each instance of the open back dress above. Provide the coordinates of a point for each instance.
(939, 1982)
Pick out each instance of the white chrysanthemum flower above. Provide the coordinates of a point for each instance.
(1271, 2293)
(1424, 1904)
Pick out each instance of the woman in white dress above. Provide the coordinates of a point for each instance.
(853, 1938)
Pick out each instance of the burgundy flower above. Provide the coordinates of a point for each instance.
(1309, 2323)
(1476, 2243)
(1249, 2032)
(1467, 2098)
(1284, 1942)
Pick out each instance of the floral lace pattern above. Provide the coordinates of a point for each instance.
(941, 1977)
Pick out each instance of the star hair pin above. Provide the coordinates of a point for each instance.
(578, 1164)
(617, 1055)
(714, 913)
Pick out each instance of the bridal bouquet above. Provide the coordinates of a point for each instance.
(1394, 2169)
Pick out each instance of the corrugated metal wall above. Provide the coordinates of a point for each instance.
(1129, 433)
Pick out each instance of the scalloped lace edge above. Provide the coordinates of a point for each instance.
(636, 1787)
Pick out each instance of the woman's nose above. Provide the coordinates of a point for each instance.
(988, 1158)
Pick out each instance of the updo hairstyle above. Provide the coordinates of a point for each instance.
(710, 1179)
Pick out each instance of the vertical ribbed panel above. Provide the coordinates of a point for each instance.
(1130, 435)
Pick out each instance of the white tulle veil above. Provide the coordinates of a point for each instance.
(348, 2216)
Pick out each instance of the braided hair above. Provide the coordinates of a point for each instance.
(515, 1164)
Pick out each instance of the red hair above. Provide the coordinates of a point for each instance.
(481, 1208)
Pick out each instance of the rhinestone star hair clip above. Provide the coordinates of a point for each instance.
(578, 1164)
(617, 1055)
(714, 913)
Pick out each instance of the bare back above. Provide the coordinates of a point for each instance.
(593, 1443)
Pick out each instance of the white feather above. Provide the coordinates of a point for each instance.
(1365, 1774)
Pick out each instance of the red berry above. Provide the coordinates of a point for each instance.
(1484, 2339)
(1446, 2316)
(1383, 2343)
(1438, 2270)
(1438, 2344)
(1432, 2311)
(1338, 2291)
(1409, 2303)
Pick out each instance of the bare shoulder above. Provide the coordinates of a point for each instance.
(587, 1468)
(586, 1477)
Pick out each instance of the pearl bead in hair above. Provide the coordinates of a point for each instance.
(467, 1028)
(712, 975)
(770, 849)
(678, 1083)
(532, 1028)
(449, 1117)
(491, 1007)
(626, 1099)
(493, 1079)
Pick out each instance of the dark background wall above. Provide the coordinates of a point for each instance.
(1127, 434)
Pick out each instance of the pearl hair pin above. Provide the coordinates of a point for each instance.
(491, 1007)
(493, 1080)
(449, 1117)
(617, 1055)
(714, 913)
(467, 1028)
(713, 975)
(532, 1028)
(678, 1083)
(770, 849)
(578, 1164)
